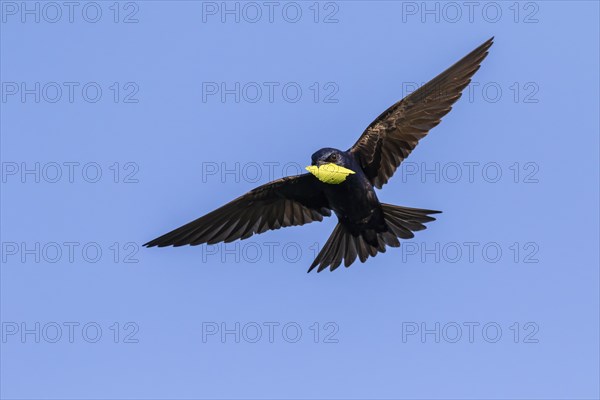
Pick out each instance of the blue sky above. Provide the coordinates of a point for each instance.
(122, 121)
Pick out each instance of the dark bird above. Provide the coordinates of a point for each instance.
(345, 182)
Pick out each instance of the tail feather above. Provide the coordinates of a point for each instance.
(351, 252)
(344, 246)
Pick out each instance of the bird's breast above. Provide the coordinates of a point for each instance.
(352, 201)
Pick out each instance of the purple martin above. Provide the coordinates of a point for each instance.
(344, 182)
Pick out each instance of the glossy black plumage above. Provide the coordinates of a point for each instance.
(365, 226)
(289, 201)
(394, 134)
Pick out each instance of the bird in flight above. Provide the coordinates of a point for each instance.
(343, 182)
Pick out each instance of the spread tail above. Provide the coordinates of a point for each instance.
(344, 246)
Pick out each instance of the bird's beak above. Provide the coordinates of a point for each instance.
(330, 173)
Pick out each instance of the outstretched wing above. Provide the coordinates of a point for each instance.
(395, 133)
(294, 200)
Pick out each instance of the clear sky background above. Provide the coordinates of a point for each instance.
(180, 108)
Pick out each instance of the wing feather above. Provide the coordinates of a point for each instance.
(290, 201)
(393, 135)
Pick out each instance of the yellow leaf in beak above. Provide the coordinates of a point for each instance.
(330, 173)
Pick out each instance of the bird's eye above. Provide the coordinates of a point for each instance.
(333, 157)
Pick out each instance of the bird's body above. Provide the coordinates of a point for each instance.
(356, 205)
(354, 201)
(343, 182)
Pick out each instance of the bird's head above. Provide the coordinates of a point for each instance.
(331, 166)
